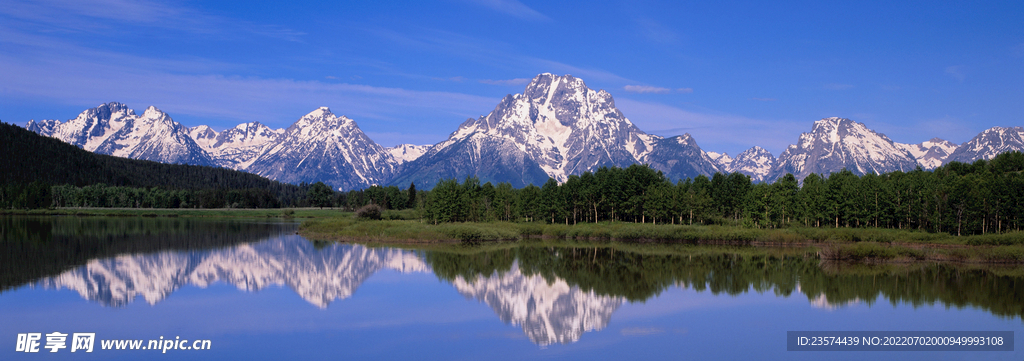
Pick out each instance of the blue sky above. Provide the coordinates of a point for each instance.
(732, 74)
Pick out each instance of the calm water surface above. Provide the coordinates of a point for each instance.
(257, 290)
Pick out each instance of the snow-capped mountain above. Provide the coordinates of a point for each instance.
(318, 147)
(930, 154)
(548, 312)
(404, 153)
(238, 147)
(319, 276)
(321, 146)
(837, 143)
(557, 127)
(722, 160)
(42, 127)
(755, 162)
(988, 144)
(114, 129)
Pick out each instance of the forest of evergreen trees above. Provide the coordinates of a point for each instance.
(961, 199)
(32, 165)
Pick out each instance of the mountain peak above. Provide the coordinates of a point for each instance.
(755, 162)
(836, 143)
(321, 112)
(153, 113)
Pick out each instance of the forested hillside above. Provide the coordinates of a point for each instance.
(30, 164)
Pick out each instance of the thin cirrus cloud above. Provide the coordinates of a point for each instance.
(105, 16)
(642, 89)
(516, 81)
(956, 72)
(513, 8)
(275, 102)
(837, 86)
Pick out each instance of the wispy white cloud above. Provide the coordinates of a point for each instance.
(276, 102)
(493, 53)
(516, 81)
(512, 7)
(837, 86)
(655, 31)
(104, 16)
(654, 89)
(956, 71)
(641, 331)
(646, 89)
(457, 79)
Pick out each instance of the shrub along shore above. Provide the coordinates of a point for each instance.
(856, 244)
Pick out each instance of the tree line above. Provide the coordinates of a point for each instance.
(958, 198)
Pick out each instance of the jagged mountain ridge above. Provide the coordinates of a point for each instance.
(931, 153)
(755, 162)
(837, 143)
(113, 129)
(320, 146)
(988, 144)
(238, 147)
(557, 127)
(323, 146)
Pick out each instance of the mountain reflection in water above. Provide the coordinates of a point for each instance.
(555, 292)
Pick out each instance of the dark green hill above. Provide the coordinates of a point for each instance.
(29, 160)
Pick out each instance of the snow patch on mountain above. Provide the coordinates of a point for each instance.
(755, 162)
(988, 144)
(239, 147)
(557, 123)
(837, 143)
(404, 153)
(931, 153)
(723, 160)
(42, 127)
(320, 146)
(113, 129)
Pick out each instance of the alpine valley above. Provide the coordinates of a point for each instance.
(557, 128)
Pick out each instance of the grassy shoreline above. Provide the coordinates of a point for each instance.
(851, 244)
(182, 212)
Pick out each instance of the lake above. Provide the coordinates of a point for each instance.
(255, 289)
